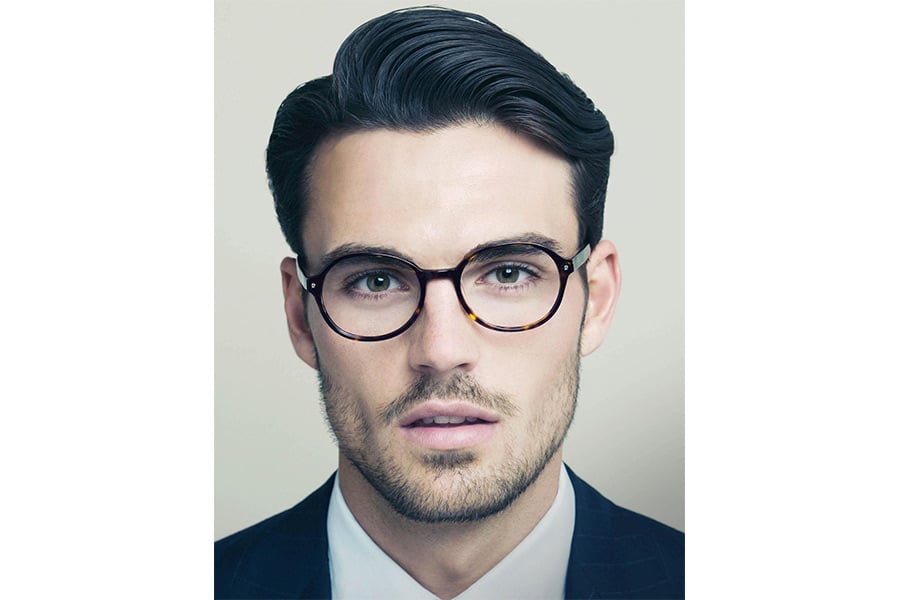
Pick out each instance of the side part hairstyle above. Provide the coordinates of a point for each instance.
(423, 69)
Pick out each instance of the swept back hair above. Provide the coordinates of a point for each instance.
(423, 69)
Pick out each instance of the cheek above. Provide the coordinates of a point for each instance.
(530, 364)
(556, 339)
(366, 372)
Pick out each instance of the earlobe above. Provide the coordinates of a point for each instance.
(295, 310)
(604, 281)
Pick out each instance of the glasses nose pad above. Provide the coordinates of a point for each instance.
(450, 274)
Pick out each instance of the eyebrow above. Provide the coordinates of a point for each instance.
(348, 249)
(353, 248)
(525, 238)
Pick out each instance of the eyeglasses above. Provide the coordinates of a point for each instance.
(509, 287)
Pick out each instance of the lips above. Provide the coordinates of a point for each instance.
(445, 420)
(447, 413)
(438, 425)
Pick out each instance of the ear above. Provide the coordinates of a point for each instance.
(604, 281)
(294, 301)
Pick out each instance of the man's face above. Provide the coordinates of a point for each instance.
(434, 197)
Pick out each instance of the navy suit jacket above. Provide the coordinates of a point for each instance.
(615, 553)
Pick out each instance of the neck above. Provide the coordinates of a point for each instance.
(447, 558)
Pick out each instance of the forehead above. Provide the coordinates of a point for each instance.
(433, 196)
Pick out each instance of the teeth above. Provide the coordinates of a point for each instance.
(443, 420)
(447, 420)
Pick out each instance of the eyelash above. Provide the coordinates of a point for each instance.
(349, 285)
(527, 269)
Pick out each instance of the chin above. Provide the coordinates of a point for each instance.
(452, 486)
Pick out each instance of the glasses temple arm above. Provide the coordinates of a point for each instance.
(579, 259)
(301, 276)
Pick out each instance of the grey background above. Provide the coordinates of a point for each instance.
(271, 444)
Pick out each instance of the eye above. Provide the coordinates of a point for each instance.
(507, 274)
(510, 275)
(378, 283)
(375, 282)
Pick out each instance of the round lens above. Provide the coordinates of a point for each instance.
(370, 295)
(510, 286)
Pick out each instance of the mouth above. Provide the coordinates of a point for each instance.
(439, 425)
(442, 413)
(445, 421)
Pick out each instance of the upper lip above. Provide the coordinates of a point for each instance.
(437, 408)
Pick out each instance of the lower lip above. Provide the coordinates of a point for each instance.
(450, 438)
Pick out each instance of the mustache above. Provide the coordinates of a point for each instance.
(458, 387)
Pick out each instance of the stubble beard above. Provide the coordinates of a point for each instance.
(450, 486)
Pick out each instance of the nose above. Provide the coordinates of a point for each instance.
(443, 339)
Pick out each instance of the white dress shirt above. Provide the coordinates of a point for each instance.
(536, 568)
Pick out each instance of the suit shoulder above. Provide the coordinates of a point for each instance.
(623, 551)
(296, 533)
(619, 520)
(668, 540)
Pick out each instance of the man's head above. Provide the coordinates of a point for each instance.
(440, 141)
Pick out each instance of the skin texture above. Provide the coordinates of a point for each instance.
(448, 516)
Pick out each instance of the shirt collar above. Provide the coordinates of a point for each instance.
(536, 568)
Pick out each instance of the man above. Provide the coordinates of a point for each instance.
(443, 191)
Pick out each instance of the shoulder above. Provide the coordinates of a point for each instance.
(622, 551)
(277, 556)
